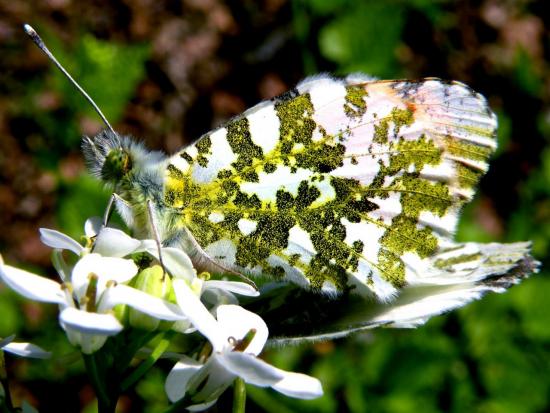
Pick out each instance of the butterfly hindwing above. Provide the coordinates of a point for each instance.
(338, 184)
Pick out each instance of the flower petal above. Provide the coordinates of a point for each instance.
(92, 226)
(88, 343)
(27, 350)
(210, 381)
(234, 287)
(299, 385)
(31, 285)
(63, 269)
(56, 239)
(178, 379)
(6, 340)
(198, 314)
(202, 406)
(237, 322)
(183, 326)
(176, 261)
(91, 323)
(111, 242)
(251, 369)
(115, 269)
(217, 297)
(146, 303)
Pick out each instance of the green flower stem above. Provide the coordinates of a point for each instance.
(239, 395)
(144, 367)
(8, 404)
(106, 403)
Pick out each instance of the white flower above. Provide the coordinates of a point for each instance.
(116, 243)
(237, 337)
(96, 284)
(23, 349)
(85, 299)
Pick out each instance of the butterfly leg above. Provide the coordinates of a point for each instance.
(155, 232)
(120, 203)
(109, 210)
(123, 208)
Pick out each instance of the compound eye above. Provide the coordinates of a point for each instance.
(117, 164)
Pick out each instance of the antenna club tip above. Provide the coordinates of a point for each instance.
(28, 28)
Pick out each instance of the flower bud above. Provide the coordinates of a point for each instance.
(153, 281)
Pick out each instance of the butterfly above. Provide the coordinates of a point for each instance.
(340, 186)
(349, 184)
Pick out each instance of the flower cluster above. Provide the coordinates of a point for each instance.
(112, 284)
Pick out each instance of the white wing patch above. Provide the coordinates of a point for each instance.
(264, 127)
(246, 226)
(223, 159)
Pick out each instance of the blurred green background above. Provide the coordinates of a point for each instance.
(166, 72)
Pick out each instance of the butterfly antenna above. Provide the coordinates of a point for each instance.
(40, 43)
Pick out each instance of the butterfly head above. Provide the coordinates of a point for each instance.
(108, 156)
(121, 162)
(117, 164)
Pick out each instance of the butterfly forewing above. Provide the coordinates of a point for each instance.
(338, 184)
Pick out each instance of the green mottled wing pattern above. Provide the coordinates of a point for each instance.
(340, 184)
